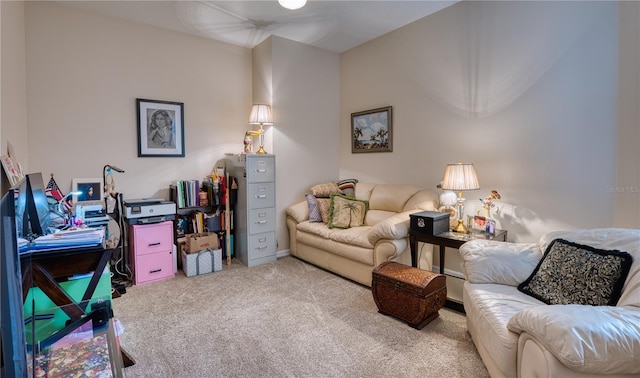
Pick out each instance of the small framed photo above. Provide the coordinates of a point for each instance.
(479, 223)
(371, 131)
(491, 227)
(91, 191)
(160, 128)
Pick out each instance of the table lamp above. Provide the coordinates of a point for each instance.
(460, 177)
(261, 115)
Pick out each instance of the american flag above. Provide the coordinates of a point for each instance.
(54, 195)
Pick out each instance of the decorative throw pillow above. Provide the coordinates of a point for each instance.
(571, 273)
(325, 190)
(348, 186)
(314, 209)
(324, 204)
(346, 212)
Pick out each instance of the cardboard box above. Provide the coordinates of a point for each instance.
(198, 242)
(429, 222)
(203, 262)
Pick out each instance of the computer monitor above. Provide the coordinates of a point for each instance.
(13, 340)
(37, 204)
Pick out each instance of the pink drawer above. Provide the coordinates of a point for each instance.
(152, 238)
(154, 267)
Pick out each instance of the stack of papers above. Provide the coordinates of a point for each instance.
(84, 237)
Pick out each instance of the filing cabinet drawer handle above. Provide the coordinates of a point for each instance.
(261, 171)
(263, 247)
(155, 271)
(153, 244)
(261, 196)
(261, 222)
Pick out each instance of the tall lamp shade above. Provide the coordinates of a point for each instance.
(261, 115)
(460, 177)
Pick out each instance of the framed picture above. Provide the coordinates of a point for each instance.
(491, 227)
(371, 131)
(91, 190)
(479, 223)
(160, 128)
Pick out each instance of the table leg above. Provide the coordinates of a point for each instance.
(442, 248)
(413, 244)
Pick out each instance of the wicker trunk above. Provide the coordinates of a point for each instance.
(410, 294)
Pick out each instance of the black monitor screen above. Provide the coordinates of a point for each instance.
(21, 214)
(37, 205)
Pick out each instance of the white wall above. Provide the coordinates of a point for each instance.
(525, 90)
(306, 103)
(84, 72)
(627, 185)
(13, 94)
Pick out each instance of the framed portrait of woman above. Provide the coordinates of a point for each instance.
(160, 128)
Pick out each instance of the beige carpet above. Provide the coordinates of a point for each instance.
(284, 319)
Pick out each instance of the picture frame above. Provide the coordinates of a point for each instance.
(160, 128)
(479, 223)
(92, 191)
(372, 130)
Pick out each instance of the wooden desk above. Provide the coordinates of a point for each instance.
(44, 268)
(451, 240)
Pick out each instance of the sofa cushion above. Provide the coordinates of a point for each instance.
(488, 309)
(391, 197)
(346, 212)
(588, 339)
(324, 204)
(571, 273)
(491, 261)
(325, 190)
(314, 209)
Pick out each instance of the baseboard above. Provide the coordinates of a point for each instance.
(283, 253)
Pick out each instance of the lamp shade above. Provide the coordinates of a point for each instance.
(261, 115)
(292, 4)
(460, 177)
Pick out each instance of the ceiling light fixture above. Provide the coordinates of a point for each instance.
(292, 4)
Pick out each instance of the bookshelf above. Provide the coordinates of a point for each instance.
(206, 214)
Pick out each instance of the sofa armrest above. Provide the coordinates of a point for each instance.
(299, 211)
(490, 261)
(589, 339)
(394, 227)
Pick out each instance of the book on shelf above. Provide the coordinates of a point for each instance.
(186, 192)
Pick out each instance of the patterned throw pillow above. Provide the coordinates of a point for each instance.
(324, 204)
(346, 212)
(348, 186)
(325, 190)
(314, 209)
(570, 273)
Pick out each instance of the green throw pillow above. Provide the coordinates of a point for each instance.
(346, 212)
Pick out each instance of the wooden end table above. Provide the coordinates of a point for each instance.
(451, 240)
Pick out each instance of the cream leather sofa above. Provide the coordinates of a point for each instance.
(354, 252)
(520, 336)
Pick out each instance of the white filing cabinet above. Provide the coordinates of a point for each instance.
(255, 210)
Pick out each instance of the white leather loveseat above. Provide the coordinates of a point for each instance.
(354, 252)
(518, 335)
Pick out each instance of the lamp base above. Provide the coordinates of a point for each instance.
(261, 151)
(460, 227)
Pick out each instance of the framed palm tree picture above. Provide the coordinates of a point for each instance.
(371, 131)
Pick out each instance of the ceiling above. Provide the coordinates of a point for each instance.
(333, 25)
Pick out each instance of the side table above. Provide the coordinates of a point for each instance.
(451, 240)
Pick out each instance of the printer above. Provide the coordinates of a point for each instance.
(148, 210)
